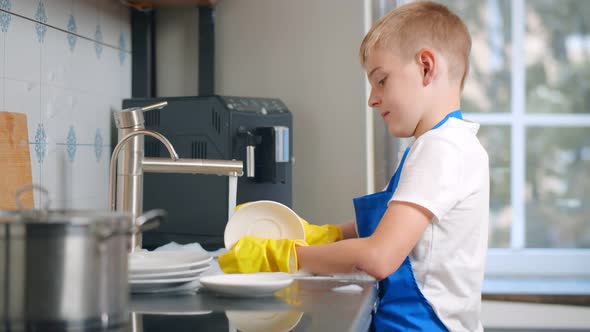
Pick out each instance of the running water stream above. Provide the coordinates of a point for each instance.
(232, 195)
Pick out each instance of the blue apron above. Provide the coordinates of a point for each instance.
(402, 306)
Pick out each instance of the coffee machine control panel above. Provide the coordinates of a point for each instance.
(258, 105)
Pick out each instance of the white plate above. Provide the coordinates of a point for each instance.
(194, 271)
(266, 219)
(166, 288)
(162, 281)
(247, 284)
(165, 261)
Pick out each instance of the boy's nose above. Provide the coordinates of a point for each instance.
(374, 101)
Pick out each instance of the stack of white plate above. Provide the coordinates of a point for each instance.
(166, 271)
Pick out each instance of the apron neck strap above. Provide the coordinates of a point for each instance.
(395, 179)
(456, 114)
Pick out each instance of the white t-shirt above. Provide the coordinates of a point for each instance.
(447, 172)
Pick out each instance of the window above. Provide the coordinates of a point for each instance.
(529, 88)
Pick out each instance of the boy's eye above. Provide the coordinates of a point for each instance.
(381, 82)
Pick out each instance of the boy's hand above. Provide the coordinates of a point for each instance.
(316, 234)
(253, 254)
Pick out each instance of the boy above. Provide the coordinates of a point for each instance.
(425, 236)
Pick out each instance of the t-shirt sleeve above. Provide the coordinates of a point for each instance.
(431, 176)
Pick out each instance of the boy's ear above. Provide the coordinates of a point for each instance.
(428, 65)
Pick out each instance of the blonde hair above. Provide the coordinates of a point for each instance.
(410, 27)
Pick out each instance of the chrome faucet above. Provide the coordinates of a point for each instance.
(130, 167)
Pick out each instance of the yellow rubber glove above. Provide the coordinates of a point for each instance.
(253, 254)
(316, 234)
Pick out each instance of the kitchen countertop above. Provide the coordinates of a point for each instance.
(310, 302)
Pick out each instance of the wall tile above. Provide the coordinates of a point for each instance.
(58, 106)
(58, 12)
(101, 171)
(100, 166)
(108, 20)
(112, 16)
(124, 18)
(86, 178)
(5, 17)
(25, 8)
(56, 59)
(101, 150)
(86, 14)
(83, 67)
(108, 81)
(71, 143)
(99, 73)
(56, 176)
(22, 52)
(99, 40)
(41, 21)
(2, 60)
(35, 172)
(84, 118)
(2, 100)
(2, 37)
(125, 76)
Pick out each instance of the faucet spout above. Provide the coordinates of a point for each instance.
(194, 166)
(117, 150)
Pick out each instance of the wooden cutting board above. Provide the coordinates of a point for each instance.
(15, 160)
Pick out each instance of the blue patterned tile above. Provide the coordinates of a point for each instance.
(71, 144)
(40, 143)
(72, 29)
(41, 17)
(5, 17)
(122, 45)
(98, 41)
(98, 144)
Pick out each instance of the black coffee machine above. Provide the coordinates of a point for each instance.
(257, 131)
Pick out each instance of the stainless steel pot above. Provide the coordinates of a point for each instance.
(66, 269)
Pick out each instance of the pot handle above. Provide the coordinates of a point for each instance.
(144, 222)
(32, 187)
(149, 220)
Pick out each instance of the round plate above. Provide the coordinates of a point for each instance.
(193, 271)
(165, 261)
(163, 281)
(267, 219)
(247, 284)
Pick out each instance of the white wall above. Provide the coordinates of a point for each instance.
(305, 53)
